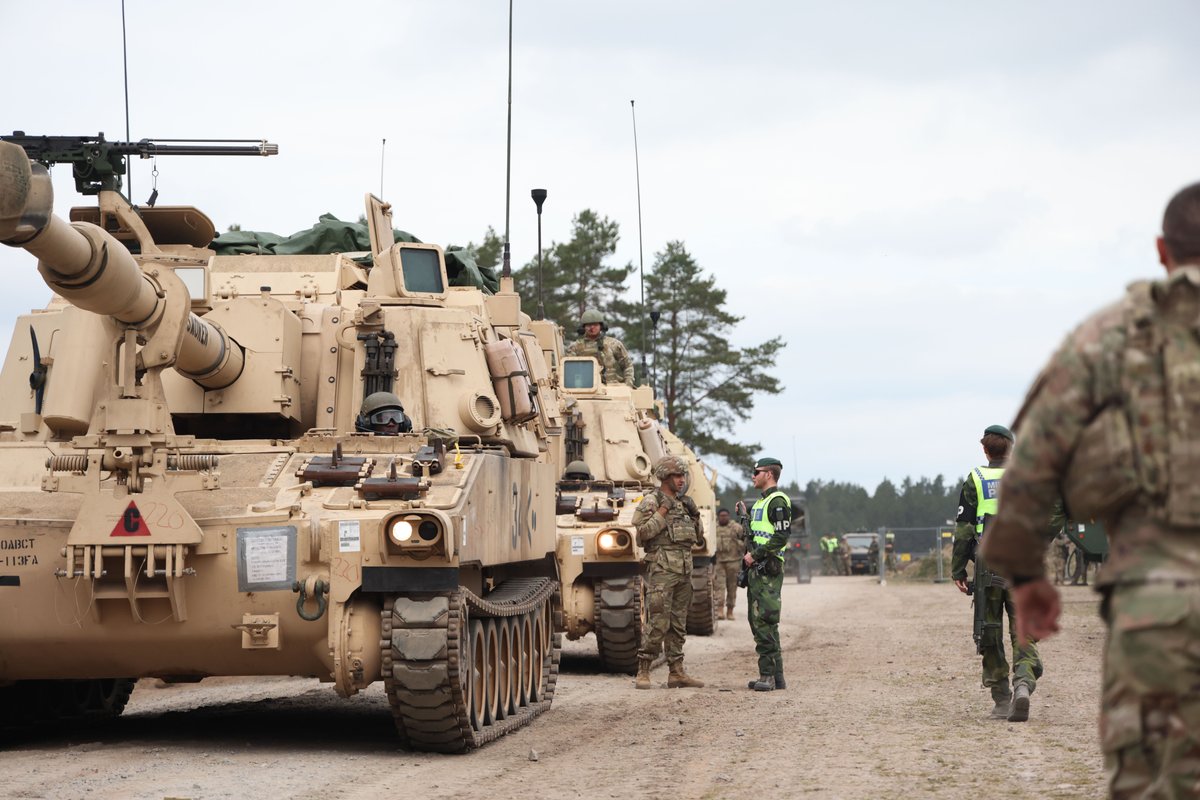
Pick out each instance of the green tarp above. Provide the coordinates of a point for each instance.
(332, 235)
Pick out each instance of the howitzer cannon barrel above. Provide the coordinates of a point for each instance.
(90, 269)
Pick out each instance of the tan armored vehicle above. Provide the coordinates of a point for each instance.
(702, 487)
(610, 447)
(267, 465)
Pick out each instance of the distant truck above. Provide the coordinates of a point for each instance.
(860, 550)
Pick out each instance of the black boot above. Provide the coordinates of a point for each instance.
(780, 683)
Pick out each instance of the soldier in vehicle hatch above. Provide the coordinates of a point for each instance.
(615, 364)
(382, 413)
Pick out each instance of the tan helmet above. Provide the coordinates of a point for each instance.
(577, 471)
(668, 466)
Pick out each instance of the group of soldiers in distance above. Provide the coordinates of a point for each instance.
(835, 555)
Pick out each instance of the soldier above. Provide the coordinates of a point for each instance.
(668, 524)
(843, 553)
(615, 364)
(977, 504)
(1059, 549)
(731, 546)
(382, 413)
(873, 557)
(1113, 421)
(770, 521)
(889, 551)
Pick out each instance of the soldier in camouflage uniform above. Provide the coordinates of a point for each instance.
(977, 503)
(668, 524)
(769, 522)
(731, 546)
(615, 364)
(1113, 422)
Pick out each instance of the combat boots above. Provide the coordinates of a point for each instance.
(765, 683)
(729, 613)
(1003, 705)
(780, 683)
(680, 679)
(643, 674)
(1020, 704)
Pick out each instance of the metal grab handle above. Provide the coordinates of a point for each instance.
(320, 593)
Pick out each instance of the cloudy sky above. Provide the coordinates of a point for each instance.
(922, 198)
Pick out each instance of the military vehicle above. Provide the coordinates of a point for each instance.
(860, 546)
(1090, 547)
(797, 556)
(611, 444)
(702, 487)
(191, 489)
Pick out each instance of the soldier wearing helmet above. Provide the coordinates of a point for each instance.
(615, 364)
(668, 524)
(382, 413)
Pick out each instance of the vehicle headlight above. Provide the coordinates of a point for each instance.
(612, 542)
(400, 530)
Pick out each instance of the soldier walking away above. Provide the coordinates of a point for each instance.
(731, 546)
(1113, 421)
(615, 364)
(977, 504)
(769, 522)
(1060, 548)
(843, 555)
(668, 524)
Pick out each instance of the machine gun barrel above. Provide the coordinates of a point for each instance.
(92, 270)
(99, 164)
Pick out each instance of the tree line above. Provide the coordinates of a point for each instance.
(836, 507)
(681, 345)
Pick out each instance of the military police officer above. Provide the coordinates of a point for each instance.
(615, 364)
(977, 504)
(731, 546)
(1113, 422)
(668, 524)
(770, 521)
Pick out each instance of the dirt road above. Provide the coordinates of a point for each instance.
(883, 701)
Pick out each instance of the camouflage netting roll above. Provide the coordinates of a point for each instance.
(332, 235)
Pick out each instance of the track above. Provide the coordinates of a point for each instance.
(618, 622)
(702, 613)
(461, 670)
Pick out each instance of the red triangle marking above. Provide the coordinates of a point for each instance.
(131, 523)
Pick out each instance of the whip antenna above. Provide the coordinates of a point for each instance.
(641, 255)
(382, 153)
(507, 271)
(125, 65)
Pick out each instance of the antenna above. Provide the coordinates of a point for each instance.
(641, 255)
(382, 153)
(125, 64)
(507, 270)
(539, 197)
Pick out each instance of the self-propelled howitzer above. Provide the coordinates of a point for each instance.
(192, 487)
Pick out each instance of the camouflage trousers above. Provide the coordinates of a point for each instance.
(827, 567)
(762, 596)
(1150, 707)
(668, 595)
(725, 583)
(1027, 664)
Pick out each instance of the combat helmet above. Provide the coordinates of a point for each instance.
(668, 466)
(590, 316)
(577, 471)
(375, 412)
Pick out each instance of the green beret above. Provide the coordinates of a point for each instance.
(768, 462)
(999, 430)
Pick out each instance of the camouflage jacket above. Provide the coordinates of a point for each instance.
(615, 363)
(731, 542)
(667, 540)
(1117, 406)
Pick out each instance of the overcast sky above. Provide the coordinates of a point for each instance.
(922, 198)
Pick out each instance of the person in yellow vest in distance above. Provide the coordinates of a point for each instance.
(769, 523)
(978, 502)
(615, 364)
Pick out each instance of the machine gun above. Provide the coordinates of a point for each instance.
(98, 164)
(976, 590)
